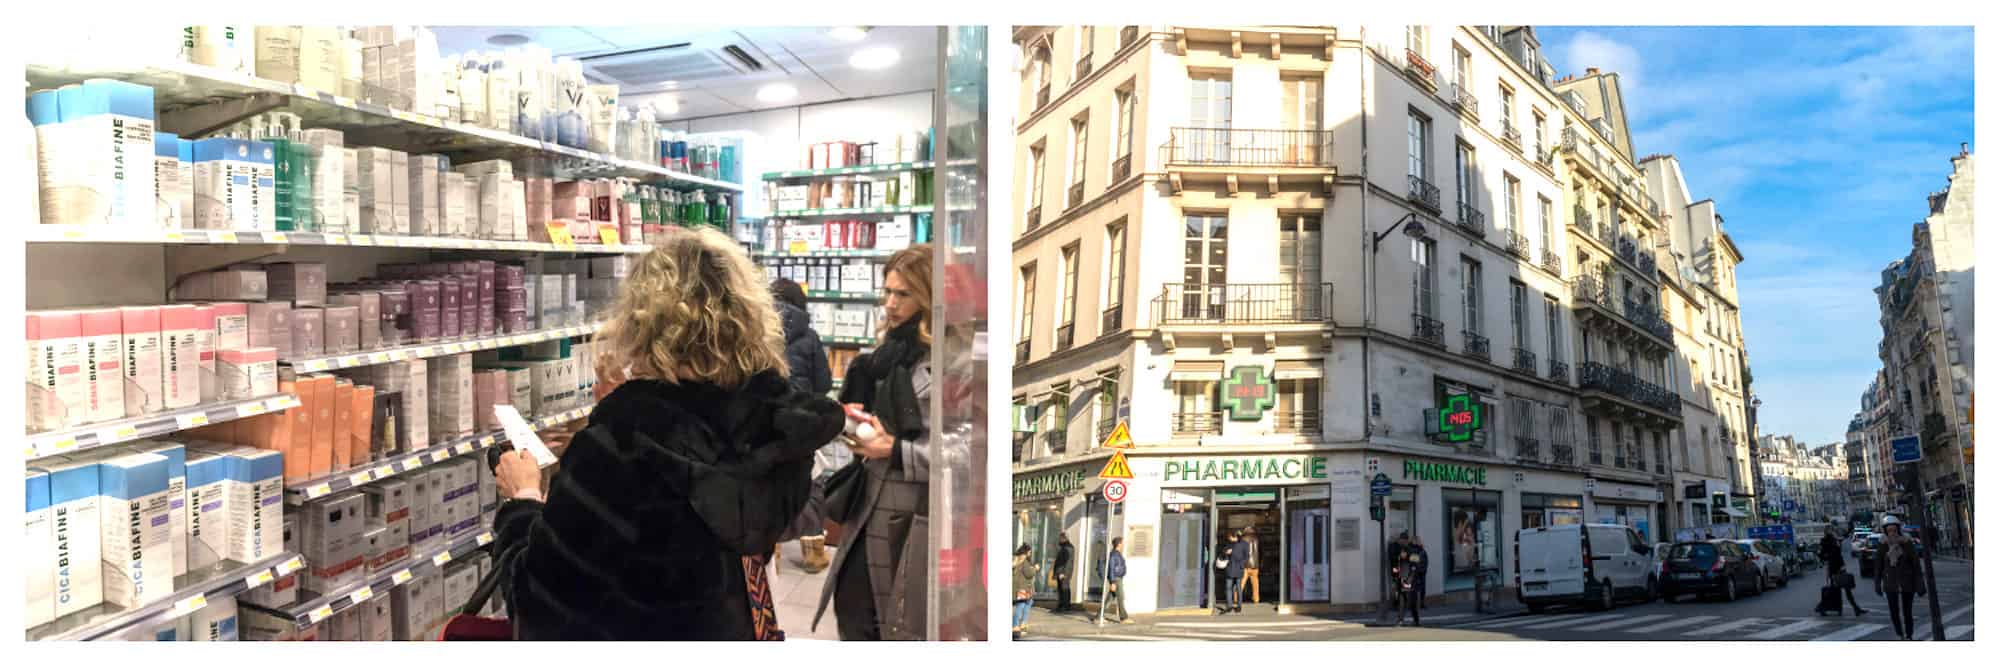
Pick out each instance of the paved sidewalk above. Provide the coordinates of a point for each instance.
(1258, 621)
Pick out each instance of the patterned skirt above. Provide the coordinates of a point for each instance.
(763, 609)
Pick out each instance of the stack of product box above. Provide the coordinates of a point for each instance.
(94, 365)
(895, 233)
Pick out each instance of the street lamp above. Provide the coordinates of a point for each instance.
(1411, 226)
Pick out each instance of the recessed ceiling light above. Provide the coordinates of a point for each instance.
(777, 92)
(849, 33)
(666, 106)
(507, 39)
(875, 57)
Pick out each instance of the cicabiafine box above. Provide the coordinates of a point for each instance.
(257, 496)
(215, 622)
(40, 562)
(208, 508)
(168, 187)
(75, 505)
(248, 373)
(229, 175)
(138, 549)
(177, 500)
(95, 141)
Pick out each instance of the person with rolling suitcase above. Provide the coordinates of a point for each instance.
(1838, 579)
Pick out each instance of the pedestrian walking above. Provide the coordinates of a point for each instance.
(1114, 574)
(1413, 570)
(1024, 588)
(1837, 576)
(1392, 558)
(1250, 570)
(1060, 571)
(809, 373)
(1899, 576)
(1234, 556)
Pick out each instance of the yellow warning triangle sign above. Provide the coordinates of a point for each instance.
(1116, 467)
(1120, 438)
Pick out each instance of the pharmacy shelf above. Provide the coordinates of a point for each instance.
(70, 441)
(312, 489)
(387, 579)
(867, 252)
(117, 234)
(817, 295)
(407, 352)
(845, 171)
(192, 593)
(859, 341)
(834, 212)
(207, 96)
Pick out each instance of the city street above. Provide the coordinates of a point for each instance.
(1781, 614)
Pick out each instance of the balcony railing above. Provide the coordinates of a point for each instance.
(1647, 316)
(1562, 455)
(1470, 218)
(1075, 194)
(1524, 361)
(1296, 421)
(1034, 217)
(1623, 384)
(1082, 67)
(1552, 261)
(1466, 102)
(1628, 249)
(1589, 290)
(1527, 449)
(1424, 194)
(1233, 303)
(1113, 320)
(1197, 422)
(1427, 329)
(1477, 346)
(1545, 156)
(1423, 69)
(1065, 336)
(1042, 96)
(1517, 244)
(1510, 134)
(1121, 168)
(1021, 353)
(1559, 371)
(1257, 148)
(1580, 217)
(1647, 264)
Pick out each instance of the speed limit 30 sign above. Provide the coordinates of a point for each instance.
(1114, 491)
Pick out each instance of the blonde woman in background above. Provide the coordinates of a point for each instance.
(877, 584)
(667, 506)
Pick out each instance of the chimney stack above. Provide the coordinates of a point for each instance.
(1962, 148)
(1592, 71)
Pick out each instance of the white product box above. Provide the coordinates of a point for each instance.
(492, 204)
(514, 223)
(277, 52)
(256, 504)
(87, 134)
(256, 625)
(856, 278)
(76, 504)
(376, 619)
(225, 184)
(489, 489)
(248, 373)
(893, 234)
(283, 591)
(334, 529)
(460, 580)
(615, 266)
(180, 357)
(232, 326)
(204, 345)
(426, 511)
(215, 622)
(454, 205)
(39, 544)
(227, 47)
(350, 188)
(416, 405)
(375, 187)
(167, 183)
(822, 317)
(138, 550)
(101, 366)
(850, 323)
(330, 180)
(143, 364)
(208, 508)
(413, 605)
(58, 389)
(399, 191)
(178, 506)
(424, 188)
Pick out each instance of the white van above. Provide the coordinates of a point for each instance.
(1593, 563)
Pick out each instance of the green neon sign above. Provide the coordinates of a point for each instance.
(1248, 393)
(1461, 418)
(1444, 472)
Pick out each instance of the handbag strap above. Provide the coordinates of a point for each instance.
(488, 585)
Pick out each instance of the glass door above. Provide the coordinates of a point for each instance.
(1206, 269)
(1209, 113)
(1308, 523)
(1184, 553)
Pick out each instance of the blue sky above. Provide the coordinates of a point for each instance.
(1818, 146)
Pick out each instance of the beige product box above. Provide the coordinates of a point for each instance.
(247, 373)
(322, 58)
(368, 310)
(517, 214)
(375, 619)
(232, 325)
(332, 179)
(278, 52)
(58, 394)
(101, 365)
(460, 580)
(229, 48)
(343, 329)
(334, 529)
(300, 283)
(270, 325)
(180, 356)
(416, 404)
(521, 387)
(493, 200)
(425, 209)
(476, 170)
(144, 365)
(308, 332)
(352, 71)
(399, 182)
(204, 343)
(417, 607)
(454, 205)
(375, 174)
(350, 188)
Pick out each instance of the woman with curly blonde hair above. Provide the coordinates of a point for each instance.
(666, 507)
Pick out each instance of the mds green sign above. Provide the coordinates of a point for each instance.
(1450, 473)
(1246, 469)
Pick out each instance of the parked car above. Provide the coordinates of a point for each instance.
(1577, 564)
(1715, 567)
(1795, 562)
(1769, 564)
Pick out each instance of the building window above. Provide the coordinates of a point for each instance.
(1596, 445)
(1461, 68)
(1126, 109)
(1541, 130)
(1618, 445)
(1473, 526)
(1474, 296)
(1086, 36)
(1205, 269)
(1079, 133)
(1107, 404)
(1423, 281)
(1547, 224)
(1298, 405)
(1552, 313)
(1195, 411)
(1027, 304)
(1513, 204)
(1209, 97)
(1036, 156)
(1420, 145)
(1300, 102)
(1518, 310)
(1506, 107)
(1299, 250)
(1114, 273)
(1066, 332)
(1418, 40)
(1059, 419)
(1463, 167)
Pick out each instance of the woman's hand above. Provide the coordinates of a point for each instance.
(878, 447)
(518, 476)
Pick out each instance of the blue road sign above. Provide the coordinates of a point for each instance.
(1379, 486)
(1906, 449)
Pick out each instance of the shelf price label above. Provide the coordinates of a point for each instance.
(249, 410)
(463, 448)
(485, 539)
(798, 248)
(440, 559)
(172, 237)
(560, 236)
(401, 577)
(191, 605)
(222, 236)
(260, 578)
(319, 614)
(60, 446)
(361, 478)
(275, 237)
(384, 471)
(119, 434)
(318, 490)
(363, 595)
(191, 420)
(413, 463)
(290, 566)
(389, 241)
(336, 239)
(608, 235)
(486, 441)
(378, 358)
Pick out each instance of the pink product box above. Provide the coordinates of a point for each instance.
(271, 326)
(232, 284)
(426, 326)
(468, 288)
(513, 320)
(449, 324)
(489, 323)
(180, 334)
(424, 295)
(468, 319)
(450, 297)
(343, 329)
(302, 283)
(308, 332)
(232, 325)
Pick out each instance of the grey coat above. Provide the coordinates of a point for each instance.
(1905, 574)
(894, 526)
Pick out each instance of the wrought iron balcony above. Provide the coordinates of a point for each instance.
(1647, 316)
(1197, 422)
(1075, 195)
(1296, 421)
(1423, 69)
(1524, 361)
(1552, 261)
(1477, 346)
(1596, 451)
(1065, 336)
(1559, 371)
(1470, 218)
(1647, 264)
(1589, 290)
(1121, 168)
(1466, 102)
(1127, 34)
(1042, 96)
(1243, 303)
(1527, 449)
(1517, 244)
(1251, 148)
(1113, 320)
(1034, 217)
(1562, 455)
(1510, 134)
(1021, 353)
(1082, 67)
(1424, 194)
(1628, 250)
(1618, 382)
(1607, 231)
(1427, 329)
(1545, 156)
(1580, 217)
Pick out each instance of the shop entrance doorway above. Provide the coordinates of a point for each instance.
(1255, 513)
(1185, 559)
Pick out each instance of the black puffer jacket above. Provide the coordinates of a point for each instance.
(655, 505)
(803, 351)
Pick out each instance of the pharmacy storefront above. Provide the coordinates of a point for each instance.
(1181, 507)
(1048, 503)
(1625, 504)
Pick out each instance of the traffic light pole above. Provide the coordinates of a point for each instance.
(1930, 573)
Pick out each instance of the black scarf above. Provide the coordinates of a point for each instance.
(880, 381)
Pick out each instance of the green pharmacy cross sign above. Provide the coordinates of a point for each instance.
(1461, 418)
(1247, 393)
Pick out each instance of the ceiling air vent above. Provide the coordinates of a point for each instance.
(743, 58)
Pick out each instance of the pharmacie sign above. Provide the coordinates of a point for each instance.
(1055, 484)
(1219, 470)
(1449, 473)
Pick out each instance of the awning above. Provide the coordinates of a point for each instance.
(1731, 511)
(1196, 371)
(1296, 370)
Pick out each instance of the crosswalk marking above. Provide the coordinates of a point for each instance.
(1249, 624)
(1207, 635)
(1252, 631)
(1447, 617)
(1725, 627)
(1669, 625)
(1851, 633)
(1510, 622)
(1140, 638)
(1607, 625)
(1788, 629)
(1957, 631)
(1567, 622)
(1955, 614)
